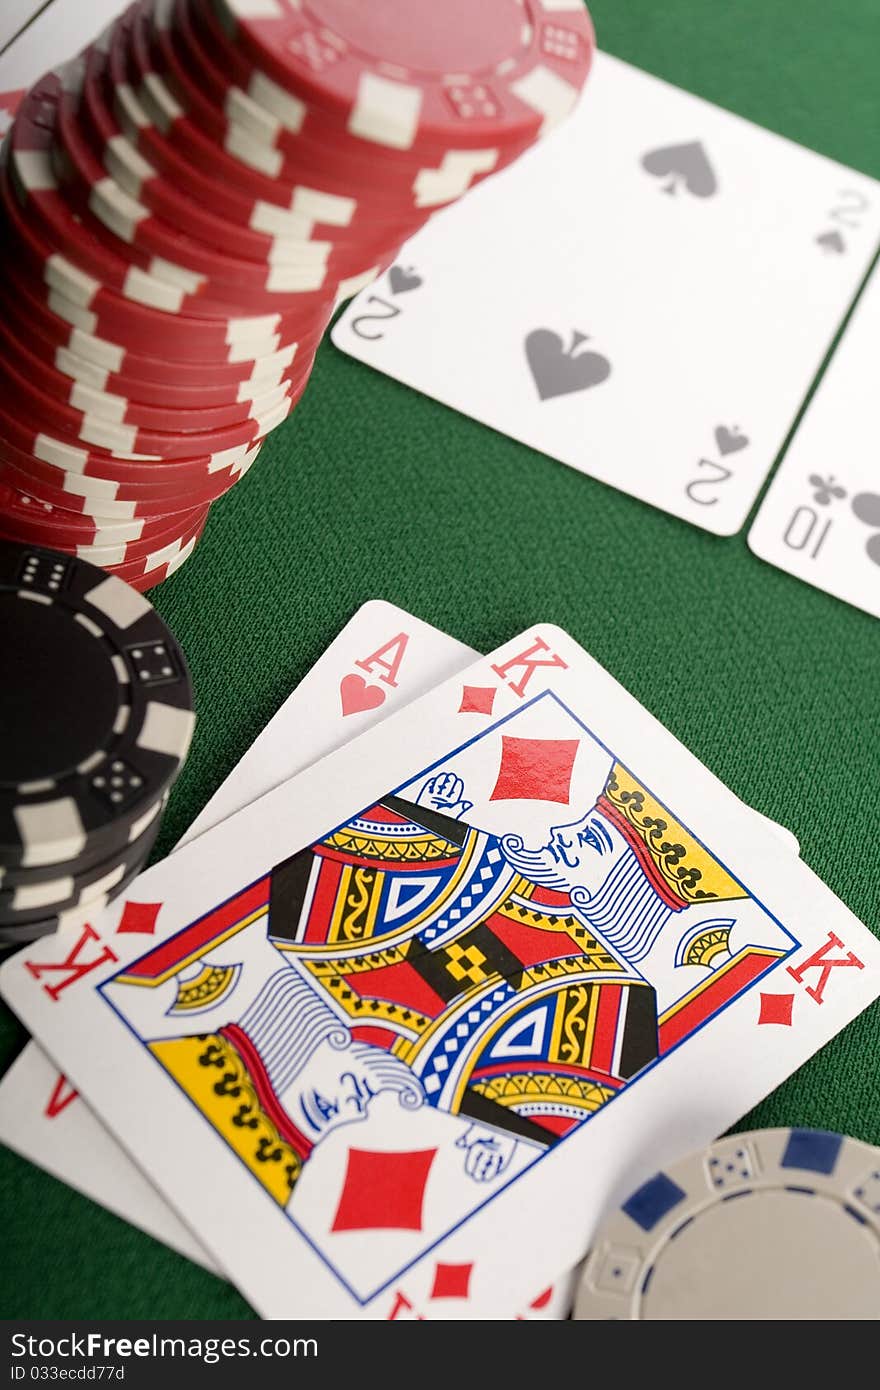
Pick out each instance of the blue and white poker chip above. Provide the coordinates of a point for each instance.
(771, 1224)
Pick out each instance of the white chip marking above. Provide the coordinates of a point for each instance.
(50, 831)
(146, 819)
(129, 163)
(257, 9)
(109, 355)
(80, 369)
(386, 112)
(86, 399)
(34, 169)
(28, 896)
(102, 886)
(548, 94)
(116, 209)
(292, 279)
(116, 439)
(317, 206)
(241, 110)
(102, 555)
(94, 760)
(167, 730)
(121, 669)
(131, 107)
(71, 313)
(240, 331)
(91, 627)
(64, 456)
(287, 109)
(122, 605)
(355, 283)
(69, 280)
(453, 177)
(250, 150)
(182, 557)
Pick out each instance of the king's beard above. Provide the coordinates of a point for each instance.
(288, 1021)
(625, 910)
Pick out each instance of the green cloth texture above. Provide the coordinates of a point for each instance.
(371, 490)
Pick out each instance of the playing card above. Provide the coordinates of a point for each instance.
(15, 15)
(61, 29)
(820, 519)
(630, 297)
(363, 1033)
(382, 658)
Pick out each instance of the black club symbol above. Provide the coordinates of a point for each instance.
(866, 506)
(826, 489)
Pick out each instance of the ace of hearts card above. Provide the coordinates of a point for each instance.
(512, 943)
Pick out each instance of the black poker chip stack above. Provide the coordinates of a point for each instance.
(96, 717)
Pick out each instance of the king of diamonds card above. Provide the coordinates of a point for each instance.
(389, 1042)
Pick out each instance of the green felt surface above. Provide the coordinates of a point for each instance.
(371, 490)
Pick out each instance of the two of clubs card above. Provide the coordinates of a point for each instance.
(458, 934)
(648, 298)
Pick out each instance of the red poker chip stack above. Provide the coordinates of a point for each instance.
(184, 204)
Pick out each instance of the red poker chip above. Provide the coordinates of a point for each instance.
(41, 523)
(263, 124)
(167, 251)
(109, 501)
(106, 314)
(125, 410)
(20, 296)
(393, 75)
(239, 192)
(105, 499)
(184, 205)
(150, 332)
(261, 206)
(27, 443)
(62, 238)
(99, 312)
(16, 313)
(58, 246)
(89, 302)
(383, 206)
(161, 249)
(275, 202)
(168, 189)
(20, 397)
(169, 198)
(102, 548)
(144, 552)
(160, 563)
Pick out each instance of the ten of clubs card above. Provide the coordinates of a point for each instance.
(647, 296)
(820, 519)
(364, 1032)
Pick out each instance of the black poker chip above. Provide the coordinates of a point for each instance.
(79, 865)
(96, 708)
(96, 716)
(29, 901)
(20, 933)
